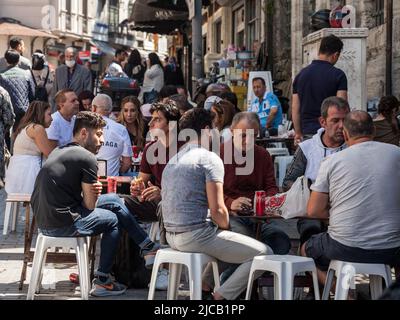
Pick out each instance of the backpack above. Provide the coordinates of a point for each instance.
(129, 267)
(40, 91)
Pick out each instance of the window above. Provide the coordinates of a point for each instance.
(238, 27)
(85, 16)
(68, 15)
(113, 16)
(252, 22)
(379, 13)
(218, 36)
(205, 49)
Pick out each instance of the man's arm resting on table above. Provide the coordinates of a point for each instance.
(89, 197)
(318, 205)
(126, 163)
(271, 117)
(219, 212)
(296, 169)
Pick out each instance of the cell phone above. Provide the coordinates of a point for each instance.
(102, 168)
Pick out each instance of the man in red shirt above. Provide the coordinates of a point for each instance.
(147, 195)
(239, 190)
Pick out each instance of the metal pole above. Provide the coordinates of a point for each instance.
(197, 50)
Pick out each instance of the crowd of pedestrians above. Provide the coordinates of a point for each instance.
(54, 129)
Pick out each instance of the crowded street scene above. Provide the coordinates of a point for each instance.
(206, 150)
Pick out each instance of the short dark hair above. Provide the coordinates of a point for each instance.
(196, 119)
(181, 102)
(12, 57)
(15, 42)
(231, 97)
(169, 110)
(167, 91)
(119, 51)
(330, 45)
(260, 79)
(359, 124)
(89, 120)
(333, 102)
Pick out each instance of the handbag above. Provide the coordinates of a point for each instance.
(291, 204)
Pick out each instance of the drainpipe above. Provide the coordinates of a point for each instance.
(389, 47)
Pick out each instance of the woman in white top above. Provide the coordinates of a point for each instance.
(30, 148)
(153, 79)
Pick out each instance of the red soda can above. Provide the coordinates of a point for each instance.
(74, 278)
(111, 185)
(259, 203)
(135, 151)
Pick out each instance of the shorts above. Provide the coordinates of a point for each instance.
(322, 248)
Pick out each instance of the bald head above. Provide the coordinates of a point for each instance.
(102, 104)
(359, 124)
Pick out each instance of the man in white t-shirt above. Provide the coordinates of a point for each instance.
(60, 130)
(115, 67)
(117, 149)
(358, 190)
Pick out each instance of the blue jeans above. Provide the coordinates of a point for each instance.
(110, 216)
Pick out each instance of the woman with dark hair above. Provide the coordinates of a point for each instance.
(223, 111)
(30, 146)
(135, 68)
(131, 117)
(85, 100)
(153, 79)
(386, 125)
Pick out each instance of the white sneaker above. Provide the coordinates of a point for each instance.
(162, 280)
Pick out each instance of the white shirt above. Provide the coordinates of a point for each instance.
(363, 183)
(116, 145)
(115, 70)
(60, 129)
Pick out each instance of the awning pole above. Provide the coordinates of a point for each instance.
(197, 50)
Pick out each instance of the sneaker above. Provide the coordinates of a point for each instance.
(105, 289)
(162, 280)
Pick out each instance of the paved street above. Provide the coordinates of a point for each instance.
(56, 284)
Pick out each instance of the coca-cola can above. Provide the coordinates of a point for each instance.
(259, 203)
(111, 185)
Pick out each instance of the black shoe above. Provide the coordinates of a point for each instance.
(206, 295)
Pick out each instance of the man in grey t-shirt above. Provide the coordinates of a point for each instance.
(192, 182)
(358, 189)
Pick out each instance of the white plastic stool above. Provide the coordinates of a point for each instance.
(284, 267)
(280, 165)
(195, 262)
(275, 152)
(43, 243)
(12, 208)
(345, 273)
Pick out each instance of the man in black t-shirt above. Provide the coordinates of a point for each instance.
(314, 84)
(65, 196)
